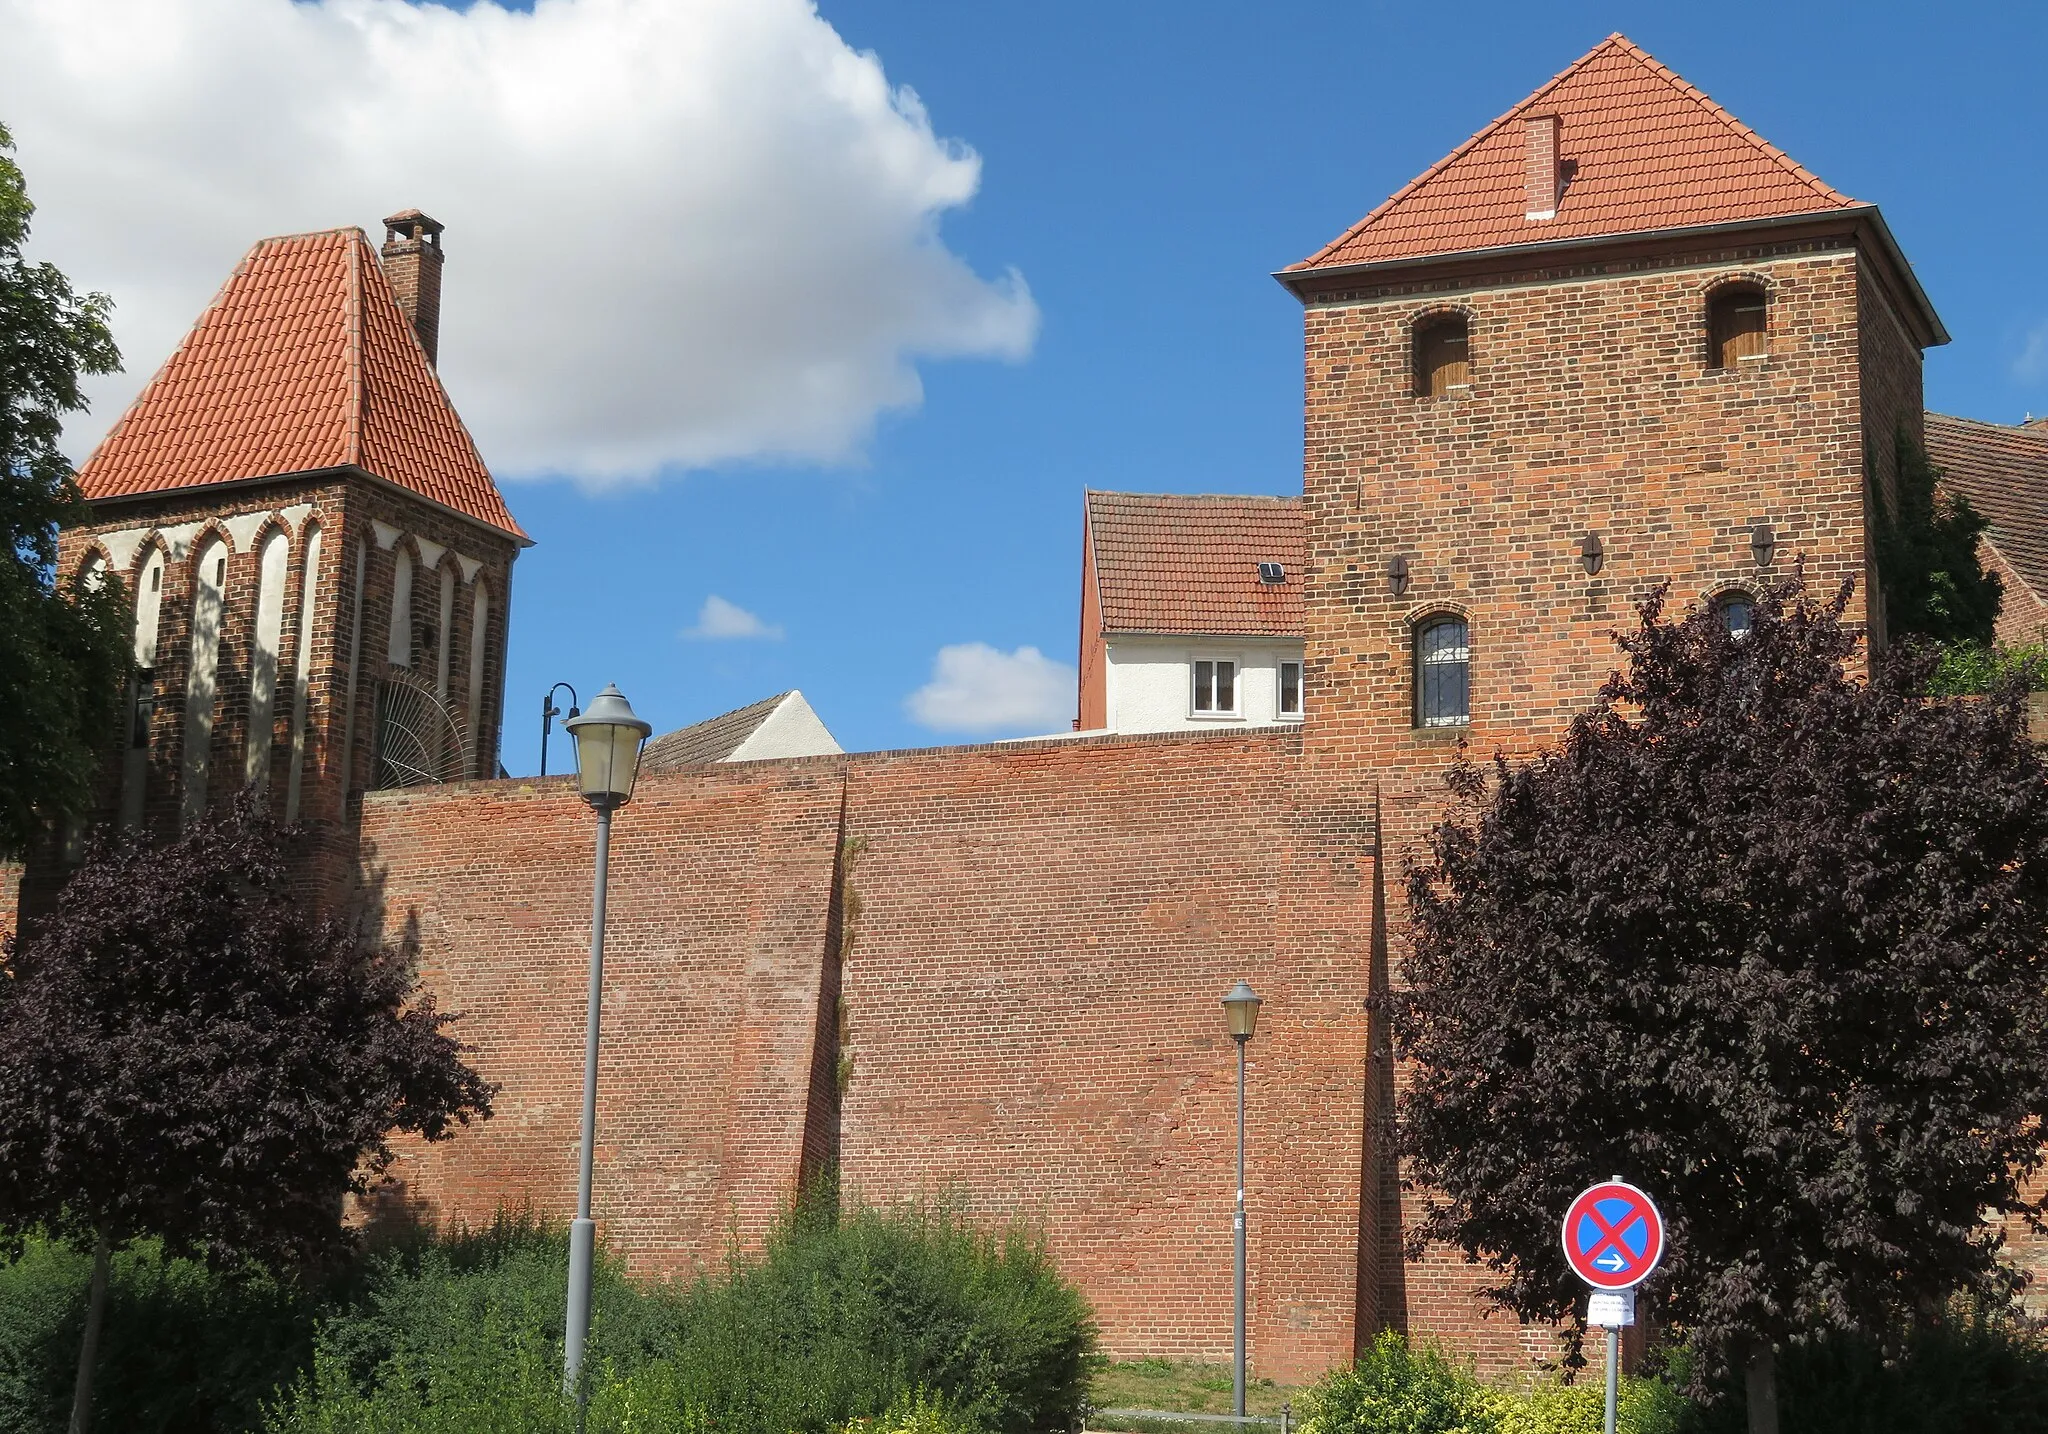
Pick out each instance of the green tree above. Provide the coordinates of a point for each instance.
(1933, 583)
(1766, 938)
(64, 648)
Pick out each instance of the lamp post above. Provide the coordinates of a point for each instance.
(548, 713)
(608, 739)
(1241, 1009)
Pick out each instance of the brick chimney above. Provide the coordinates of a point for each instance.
(1540, 169)
(412, 261)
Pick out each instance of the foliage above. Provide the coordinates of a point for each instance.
(198, 1349)
(1767, 939)
(847, 1311)
(1968, 1369)
(904, 1320)
(185, 1053)
(1925, 544)
(1972, 668)
(63, 647)
(1399, 1388)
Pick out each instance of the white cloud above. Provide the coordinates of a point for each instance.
(2033, 360)
(678, 234)
(977, 688)
(719, 619)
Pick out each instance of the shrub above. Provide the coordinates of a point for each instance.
(1968, 1369)
(847, 1312)
(1968, 668)
(904, 1322)
(184, 1347)
(1399, 1388)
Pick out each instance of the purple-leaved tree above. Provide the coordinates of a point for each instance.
(187, 1053)
(1767, 938)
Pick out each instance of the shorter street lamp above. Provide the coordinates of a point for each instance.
(608, 739)
(1241, 1009)
(548, 713)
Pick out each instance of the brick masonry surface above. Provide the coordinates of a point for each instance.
(1035, 940)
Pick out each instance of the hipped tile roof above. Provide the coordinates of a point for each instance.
(2004, 473)
(1170, 563)
(1643, 150)
(303, 361)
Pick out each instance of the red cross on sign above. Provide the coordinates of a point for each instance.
(1613, 1236)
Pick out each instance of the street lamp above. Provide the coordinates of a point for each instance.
(608, 738)
(1241, 1010)
(548, 713)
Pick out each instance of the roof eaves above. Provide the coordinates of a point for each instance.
(340, 470)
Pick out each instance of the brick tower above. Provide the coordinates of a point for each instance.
(1614, 340)
(321, 563)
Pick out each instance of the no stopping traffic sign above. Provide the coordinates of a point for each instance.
(1613, 1236)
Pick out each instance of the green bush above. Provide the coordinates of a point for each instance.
(1966, 1370)
(1399, 1388)
(1968, 668)
(910, 1320)
(184, 1347)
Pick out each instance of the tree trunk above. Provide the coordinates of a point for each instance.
(1762, 1378)
(89, 1351)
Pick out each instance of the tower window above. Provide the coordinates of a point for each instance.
(145, 708)
(1442, 356)
(1443, 672)
(1736, 326)
(1736, 612)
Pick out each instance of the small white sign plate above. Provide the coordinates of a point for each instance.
(1611, 1309)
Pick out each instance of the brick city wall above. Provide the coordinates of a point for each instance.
(1036, 941)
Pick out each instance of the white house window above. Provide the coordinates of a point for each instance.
(1290, 689)
(1215, 686)
(1443, 673)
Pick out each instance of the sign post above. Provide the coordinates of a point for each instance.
(1613, 1239)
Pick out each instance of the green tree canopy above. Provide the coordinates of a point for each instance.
(63, 648)
(1934, 584)
(1766, 938)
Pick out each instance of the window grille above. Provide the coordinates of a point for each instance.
(1443, 673)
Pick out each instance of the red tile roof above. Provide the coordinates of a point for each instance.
(1643, 150)
(2004, 473)
(303, 361)
(1171, 563)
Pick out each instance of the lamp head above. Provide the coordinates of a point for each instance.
(608, 737)
(1241, 1010)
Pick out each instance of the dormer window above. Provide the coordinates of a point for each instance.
(1442, 356)
(1737, 327)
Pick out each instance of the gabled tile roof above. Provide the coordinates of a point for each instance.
(1170, 563)
(726, 738)
(303, 361)
(1643, 150)
(2004, 473)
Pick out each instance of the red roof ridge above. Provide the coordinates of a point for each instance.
(1195, 497)
(1834, 196)
(354, 319)
(1615, 42)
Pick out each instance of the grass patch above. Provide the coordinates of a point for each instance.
(1179, 1386)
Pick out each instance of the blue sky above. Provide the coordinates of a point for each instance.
(1146, 167)
(1143, 169)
